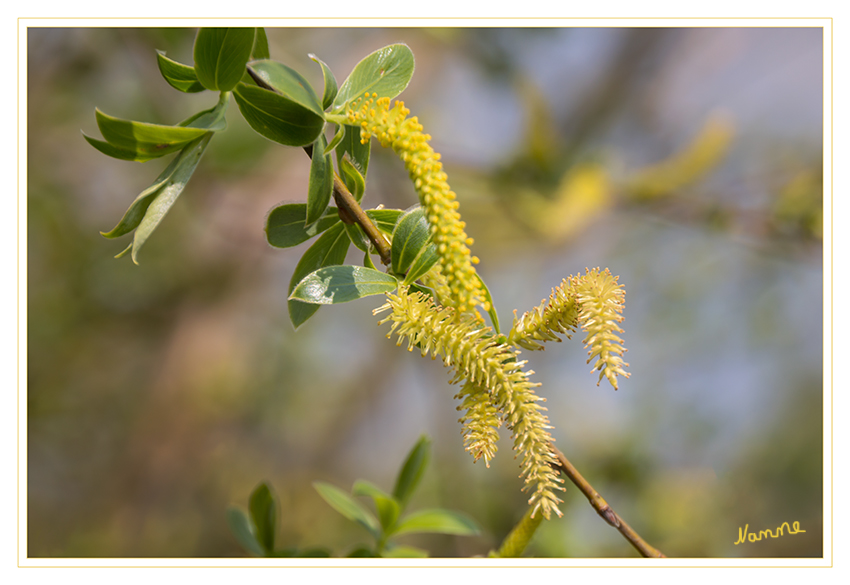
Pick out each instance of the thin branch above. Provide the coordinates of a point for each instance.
(350, 212)
(603, 509)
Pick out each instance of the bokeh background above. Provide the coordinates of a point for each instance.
(688, 161)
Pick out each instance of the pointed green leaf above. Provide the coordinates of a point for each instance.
(168, 193)
(240, 527)
(330, 83)
(494, 316)
(221, 55)
(152, 140)
(287, 82)
(340, 284)
(338, 136)
(385, 72)
(321, 184)
(173, 177)
(328, 250)
(423, 262)
(261, 45)
(119, 153)
(358, 236)
(276, 117)
(179, 76)
(367, 261)
(358, 153)
(388, 509)
(345, 505)
(411, 235)
(385, 219)
(412, 470)
(264, 515)
(353, 179)
(285, 225)
(400, 551)
(439, 521)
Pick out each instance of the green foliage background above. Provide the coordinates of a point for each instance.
(159, 394)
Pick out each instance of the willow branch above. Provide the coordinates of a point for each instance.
(350, 212)
(603, 509)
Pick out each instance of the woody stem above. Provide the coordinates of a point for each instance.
(603, 509)
(350, 212)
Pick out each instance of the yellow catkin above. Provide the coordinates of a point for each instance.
(601, 300)
(393, 129)
(480, 422)
(594, 301)
(495, 378)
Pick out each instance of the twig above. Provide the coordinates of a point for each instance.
(350, 212)
(603, 509)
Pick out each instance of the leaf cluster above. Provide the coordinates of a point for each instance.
(255, 530)
(279, 104)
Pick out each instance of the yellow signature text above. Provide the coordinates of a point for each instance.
(745, 535)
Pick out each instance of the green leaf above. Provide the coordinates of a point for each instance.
(321, 184)
(337, 138)
(423, 262)
(410, 237)
(358, 153)
(285, 225)
(264, 515)
(388, 508)
(367, 261)
(277, 117)
(345, 505)
(357, 236)
(179, 76)
(385, 72)
(261, 45)
(400, 551)
(439, 521)
(385, 219)
(361, 552)
(150, 140)
(328, 250)
(166, 195)
(494, 316)
(134, 215)
(240, 527)
(340, 284)
(221, 55)
(287, 82)
(150, 206)
(412, 470)
(354, 181)
(330, 83)
(119, 153)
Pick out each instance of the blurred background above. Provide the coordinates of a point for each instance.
(688, 161)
